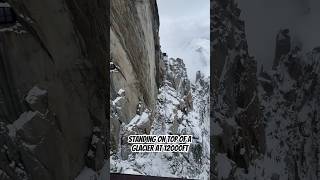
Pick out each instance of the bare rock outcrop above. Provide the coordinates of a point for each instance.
(52, 87)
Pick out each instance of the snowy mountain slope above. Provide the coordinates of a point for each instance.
(182, 108)
(285, 102)
(290, 101)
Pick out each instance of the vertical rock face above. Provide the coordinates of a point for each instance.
(238, 130)
(135, 51)
(52, 71)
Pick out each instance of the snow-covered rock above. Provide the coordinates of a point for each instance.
(289, 99)
(284, 138)
(181, 108)
(235, 103)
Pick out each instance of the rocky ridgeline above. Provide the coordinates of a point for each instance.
(238, 131)
(290, 101)
(265, 126)
(181, 108)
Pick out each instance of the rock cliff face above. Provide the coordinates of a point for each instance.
(135, 52)
(53, 89)
(238, 130)
(266, 124)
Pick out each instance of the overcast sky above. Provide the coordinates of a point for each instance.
(185, 24)
(264, 18)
